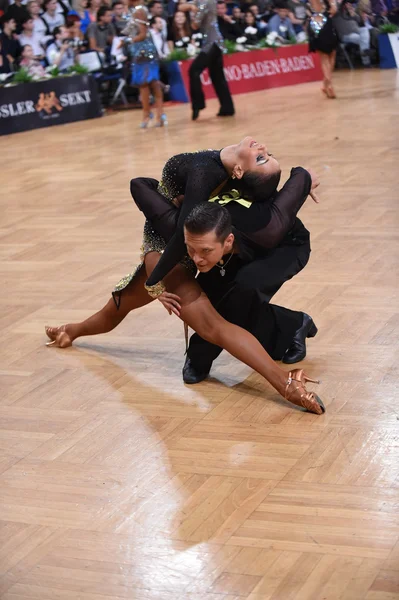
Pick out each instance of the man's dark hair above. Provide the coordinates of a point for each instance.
(116, 3)
(153, 20)
(257, 187)
(281, 4)
(209, 216)
(57, 30)
(102, 11)
(45, 4)
(152, 4)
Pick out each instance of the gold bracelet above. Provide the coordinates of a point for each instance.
(155, 290)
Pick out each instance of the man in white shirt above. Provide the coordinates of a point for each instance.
(156, 10)
(52, 18)
(60, 54)
(28, 36)
(39, 26)
(158, 37)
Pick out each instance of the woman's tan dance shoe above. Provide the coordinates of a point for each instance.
(296, 392)
(58, 336)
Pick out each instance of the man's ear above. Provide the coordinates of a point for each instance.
(229, 241)
(238, 172)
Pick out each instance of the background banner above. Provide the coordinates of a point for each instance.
(45, 103)
(262, 69)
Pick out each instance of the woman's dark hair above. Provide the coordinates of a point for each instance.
(186, 27)
(257, 187)
(209, 216)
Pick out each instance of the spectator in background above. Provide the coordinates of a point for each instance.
(31, 63)
(260, 23)
(158, 37)
(350, 31)
(75, 33)
(156, 10)
(102, 33)
(93, 7)
(60, 53)
(32, 39)
(118, 14)
(83, 14)
(227, 26)
(39, 26)
(250, 28)
(297, 15)
(10, 46)
(281, 23)
(51, 17)
(179, 30)
(237, 15)
(19, 13)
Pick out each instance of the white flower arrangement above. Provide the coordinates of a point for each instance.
(179, 44)
(241, 40)
(251, 30)
(191, 50)
(272, 39)
(185, 40)
(197, 36)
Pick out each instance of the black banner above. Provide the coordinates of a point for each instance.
(45, 103)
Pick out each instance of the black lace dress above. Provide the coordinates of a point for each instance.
(321, 31)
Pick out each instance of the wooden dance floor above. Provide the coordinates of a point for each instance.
(117, 481)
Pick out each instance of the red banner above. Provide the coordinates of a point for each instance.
(262, 69)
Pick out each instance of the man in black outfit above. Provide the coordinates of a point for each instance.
(211, 57)
(10, 47)
(227, 26)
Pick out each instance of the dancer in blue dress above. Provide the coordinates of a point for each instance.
(144, 61)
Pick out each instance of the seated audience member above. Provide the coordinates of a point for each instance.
(348, 26)
(227, 26)
(93, 6)
(297, 15)
(19, 12)
(250, 29)
(157, 35)
(32, 64)
(156, 10)
(118, 14)
(60, 53)
(238, 16)
(83, 14)
(180, 30)
(51, 16)
(32, 39)
(75, 34)
(102, 33)
(10, 46)
(260, 23)
(281, 22)
(39, 26)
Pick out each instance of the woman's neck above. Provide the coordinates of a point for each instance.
(227, 156)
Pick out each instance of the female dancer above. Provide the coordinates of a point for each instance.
(145, 64)
(196, 310)
(323, 39)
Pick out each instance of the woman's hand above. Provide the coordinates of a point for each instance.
(315, 185)
(171, 302)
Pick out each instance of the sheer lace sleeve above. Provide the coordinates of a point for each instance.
(156, 208)
(278, 216)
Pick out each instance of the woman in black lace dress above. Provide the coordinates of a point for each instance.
(199, 176)
(323, 39)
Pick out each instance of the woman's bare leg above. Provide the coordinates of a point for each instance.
(145, 101)
(325, 67)
(200, 315)
(158, 97)
(134, 296)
